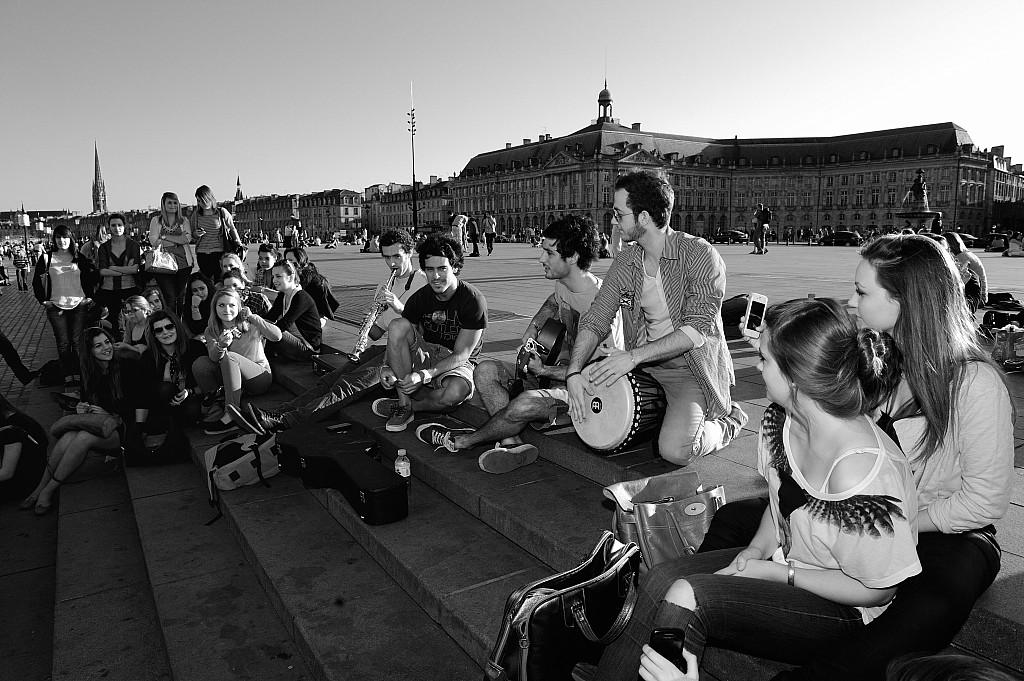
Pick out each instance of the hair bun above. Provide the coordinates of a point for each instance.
(880, 365)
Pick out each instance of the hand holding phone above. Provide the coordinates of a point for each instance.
(664, 659)
(754, 318)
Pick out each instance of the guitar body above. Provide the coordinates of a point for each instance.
(547, 345)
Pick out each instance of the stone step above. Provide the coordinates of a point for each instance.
(105, 621)
(346, 616)
(216, 619)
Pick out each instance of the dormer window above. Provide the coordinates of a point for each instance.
(897, 152)
(833, 158)
(864, 156)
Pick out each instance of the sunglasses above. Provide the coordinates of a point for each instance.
(161, 329)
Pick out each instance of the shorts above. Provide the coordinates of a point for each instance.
(426, 355)
(555, 397)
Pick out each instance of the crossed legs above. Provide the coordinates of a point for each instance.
(68, 454)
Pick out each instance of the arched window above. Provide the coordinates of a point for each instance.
(674, 222)
(501, 225)
(688, 224)
(723, 223)
(607, 222)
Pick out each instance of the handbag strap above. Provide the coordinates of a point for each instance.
(579, 613)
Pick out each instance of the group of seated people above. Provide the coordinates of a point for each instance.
(887, 449)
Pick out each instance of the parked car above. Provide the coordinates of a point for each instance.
(969, 240)
(841, 238)
(730, 236)
(996, 243)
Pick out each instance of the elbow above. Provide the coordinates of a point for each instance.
(878, 597)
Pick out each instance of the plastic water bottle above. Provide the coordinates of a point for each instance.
(402, 465)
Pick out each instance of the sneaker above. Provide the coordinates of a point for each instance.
(240, 420)
(401, 416)
(269, 421)
(437, 435)
(504, 459)
(218, 427)
(384, 406)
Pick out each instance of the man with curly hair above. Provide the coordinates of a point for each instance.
(434, 345)
(570, 246)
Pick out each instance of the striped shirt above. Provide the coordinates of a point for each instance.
(693, 277)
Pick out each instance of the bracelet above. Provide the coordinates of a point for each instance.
(426, 377)
(791, 575)
(571, 374)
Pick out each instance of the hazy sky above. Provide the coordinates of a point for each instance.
(308, 95)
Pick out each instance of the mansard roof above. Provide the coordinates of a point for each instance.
(609, 138)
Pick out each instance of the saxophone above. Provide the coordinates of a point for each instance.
(377, 308)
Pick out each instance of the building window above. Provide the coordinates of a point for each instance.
(858, 197)
(689, 181)
(876, 178)
(700, 200)
(721, 183)
(897, 152)
(790, 199)
(874, 197)
(828, 198)
(700, 181)
(805, 199)
(844, 197)
(830, 181)
(844, 180)
(860, 178)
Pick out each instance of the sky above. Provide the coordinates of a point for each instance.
(307, 95)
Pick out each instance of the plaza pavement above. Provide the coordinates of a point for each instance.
(512, 282)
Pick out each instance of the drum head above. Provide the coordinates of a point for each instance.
(610, 412)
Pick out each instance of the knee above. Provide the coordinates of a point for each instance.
(681, 594)
(523, 408)
(680, 454)
(400, 329)
(487, 372)
(164, 392)
(455, 393)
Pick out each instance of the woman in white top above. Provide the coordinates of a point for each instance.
(234, 341)
(170, 230)
(211, 227)
(63, 282)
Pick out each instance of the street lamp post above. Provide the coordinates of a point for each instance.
(412, 139)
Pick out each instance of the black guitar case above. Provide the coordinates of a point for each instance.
(348, 460)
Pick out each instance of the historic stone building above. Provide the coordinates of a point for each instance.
(855, 181)
(265, 214)
(433, 201)
(329, 211)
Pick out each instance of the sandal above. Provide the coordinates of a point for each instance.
(27, 503)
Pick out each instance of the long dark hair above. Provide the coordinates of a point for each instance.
(63, 231)
(92, 375)
(180, 343)
(934, 329)
(820, 351)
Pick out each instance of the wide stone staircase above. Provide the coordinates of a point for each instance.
(291, 584)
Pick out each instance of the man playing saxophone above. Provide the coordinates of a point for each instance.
(344, 385)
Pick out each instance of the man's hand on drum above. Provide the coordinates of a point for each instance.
(577, 396)
(616, 363)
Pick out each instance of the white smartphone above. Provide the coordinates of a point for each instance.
(756, 305)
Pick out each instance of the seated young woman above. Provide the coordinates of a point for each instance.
(235, 357)
(22, 452)
(133, 333)
(252, 299)
(155, 298)
(295, 313)
(198, 292)
(839, 533)
(167, 378)
(110, 385)
(313, 283)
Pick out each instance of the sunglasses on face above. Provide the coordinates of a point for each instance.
(161, 329)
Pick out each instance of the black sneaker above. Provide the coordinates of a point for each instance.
(269, 421)
(437, 435)
(506, 459)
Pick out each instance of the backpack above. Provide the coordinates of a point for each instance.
(51, 374)
(240, 461)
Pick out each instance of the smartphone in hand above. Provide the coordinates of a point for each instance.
(756, 306)
(669, 644)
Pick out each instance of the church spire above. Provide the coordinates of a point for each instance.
(99, 191)
(238, 189)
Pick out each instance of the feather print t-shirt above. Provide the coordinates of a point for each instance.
(869, 532)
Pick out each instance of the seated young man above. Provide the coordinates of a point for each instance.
(569, 247)
(346, 384)
(434, 345)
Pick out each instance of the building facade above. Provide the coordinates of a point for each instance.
(433, 201)
(333, 210)
(847, 182)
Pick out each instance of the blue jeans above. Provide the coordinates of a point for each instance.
(292, 347)
(67, 328)
(334, 391)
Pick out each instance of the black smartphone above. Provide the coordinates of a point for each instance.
(669, 644)
(339, 427)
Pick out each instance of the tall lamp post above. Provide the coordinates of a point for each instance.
(412, 139)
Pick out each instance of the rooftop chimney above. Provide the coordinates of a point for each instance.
(508, 145)
(433, 179)
(526, 140)
(636, 126)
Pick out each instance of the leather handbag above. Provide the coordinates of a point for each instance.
(102, 425)
(667, 515)
(552, 624)
(159, 261)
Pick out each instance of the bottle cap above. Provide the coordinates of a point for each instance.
(401, 452)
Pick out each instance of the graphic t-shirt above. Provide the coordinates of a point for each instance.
(869, 532)
(442, 320)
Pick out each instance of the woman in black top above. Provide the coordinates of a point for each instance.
(293, 310)
(22, 451)
(198, 293)
(110, 385)
(167, 380)
(313, 283)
